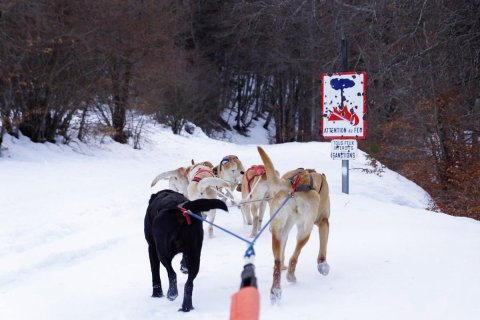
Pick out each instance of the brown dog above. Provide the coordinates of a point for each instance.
(309, 205)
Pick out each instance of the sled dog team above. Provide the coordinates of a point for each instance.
(199, 186)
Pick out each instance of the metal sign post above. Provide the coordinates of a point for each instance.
(345, 163)
(345, 176)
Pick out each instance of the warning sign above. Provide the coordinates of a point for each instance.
(344, 105)
(344, 149)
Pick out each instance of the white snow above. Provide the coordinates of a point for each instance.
(72, 244)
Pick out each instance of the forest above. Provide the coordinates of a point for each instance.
(73, 69)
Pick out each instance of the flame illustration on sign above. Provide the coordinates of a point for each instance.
(342, 113)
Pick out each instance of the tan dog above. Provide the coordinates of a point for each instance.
(202, 183)
(254, 189)
(231, 170)
(177, 180)
(309, 205)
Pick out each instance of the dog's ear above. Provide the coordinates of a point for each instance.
(224, 160)
(208, 164)
(239, 163)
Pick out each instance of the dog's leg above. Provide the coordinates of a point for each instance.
(284, 245)
(254, 208)
(155, 268)
(276, 290)
(247, 213)
(211, 217)
(279, 241)
(193, 267)
(183, 264)
(322, 265)
(303, 234)
(172, 292)
(261, 212)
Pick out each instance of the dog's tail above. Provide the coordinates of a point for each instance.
(202, 205)
(273, 178)
(164, 175)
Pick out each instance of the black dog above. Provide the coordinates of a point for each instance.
(170, 231)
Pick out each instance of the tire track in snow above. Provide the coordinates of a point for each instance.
(63, 259)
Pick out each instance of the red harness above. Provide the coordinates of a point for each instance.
(295, 183)
(258, 171)
(197, 177)
(185, 213)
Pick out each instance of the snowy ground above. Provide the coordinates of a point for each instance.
(72, 244)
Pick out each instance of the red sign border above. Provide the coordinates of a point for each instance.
(364, 136)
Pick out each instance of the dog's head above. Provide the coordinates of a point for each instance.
(231, 169)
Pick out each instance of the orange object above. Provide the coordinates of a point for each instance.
(245, 304)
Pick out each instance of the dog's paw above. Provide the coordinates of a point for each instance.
(186, 309)
(291, 277)
(157, 292)
(186, 304)
(172, 294)
(323, 268)
(275, 295)
(184, 269)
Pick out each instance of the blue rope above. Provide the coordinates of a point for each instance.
(250, 250)
(215, 225)
(271, 219)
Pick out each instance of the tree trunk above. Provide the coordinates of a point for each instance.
(81, 128)
(121, 92)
